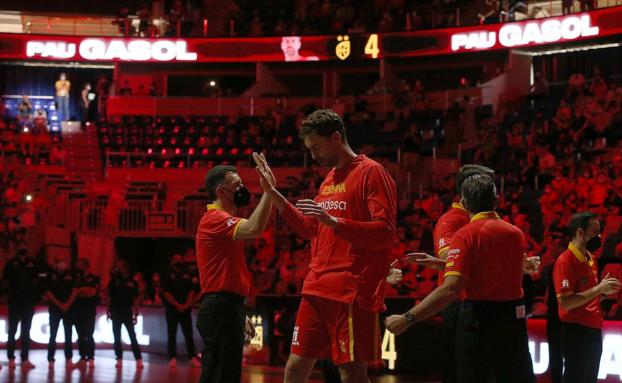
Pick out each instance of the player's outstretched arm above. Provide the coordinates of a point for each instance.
(302, 225)
(432, 304)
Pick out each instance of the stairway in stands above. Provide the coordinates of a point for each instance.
(83, 154)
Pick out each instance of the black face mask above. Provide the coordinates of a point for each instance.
(241, 196)
(593, 244)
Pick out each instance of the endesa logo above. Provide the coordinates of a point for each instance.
(529, 33)
(112, 50)
(333, 205)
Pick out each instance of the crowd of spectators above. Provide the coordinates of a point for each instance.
(229, 18)
(27, 136)
(555, 154)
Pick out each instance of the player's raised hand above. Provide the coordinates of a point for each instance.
(312, 209)
(531, 265)
(266, 177)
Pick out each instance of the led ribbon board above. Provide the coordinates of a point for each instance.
(342, 48)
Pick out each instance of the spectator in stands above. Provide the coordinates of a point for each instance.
(153, 89)
(576, 86)
(102, 90)
(567, 6)
(489, 13)
(85, 103)
(63, 87)
(540, 87)
(24, 111)
(125, 90)
(587, 5)
(141, 92)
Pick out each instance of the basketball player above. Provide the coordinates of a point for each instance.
(351, 224)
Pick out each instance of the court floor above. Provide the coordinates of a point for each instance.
(155, 371)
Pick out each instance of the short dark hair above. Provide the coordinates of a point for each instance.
(215, 177)
(469, 170)
(323, 122)
(479, 193)
(580, 221)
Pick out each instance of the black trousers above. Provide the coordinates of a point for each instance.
(55, 317)
(554, 339)
(124, 318)
(581, 347)
(491, 343)
(19, 312)
(85, 326)
(184, 319)
(450, 324)
(220, 322)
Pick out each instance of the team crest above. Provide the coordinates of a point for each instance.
(342, 345)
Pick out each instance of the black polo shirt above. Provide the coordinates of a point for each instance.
(88, 280)
(122, 293)
(179, 284)
(21, 277)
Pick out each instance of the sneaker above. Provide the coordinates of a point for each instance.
(91, 363)
(28, 364)
(195, 362)
(11, 363)
(119, 363)
(80, 364)
(172, 363)
(50, 365)
(139, 364)
(70, 365)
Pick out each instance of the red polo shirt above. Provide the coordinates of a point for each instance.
(446, 226)
(576, 272)
(488, 252)
(220, 257)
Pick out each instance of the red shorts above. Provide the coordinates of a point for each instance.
(327, 328)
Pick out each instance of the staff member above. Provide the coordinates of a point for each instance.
(61, 294)
(579, 294)
(447, 225)
(485, 259)
(224, 276)
(85, 309)
(123, 310)
(179, 296)
(20, 276)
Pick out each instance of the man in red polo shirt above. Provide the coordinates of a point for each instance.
(224, 276)
(351, 224)
(446, 226)
(485, 259)
(575, 277)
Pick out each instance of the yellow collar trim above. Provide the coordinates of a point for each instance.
(578, 254)
(485, 215)
(458, 205)
(214, 206)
